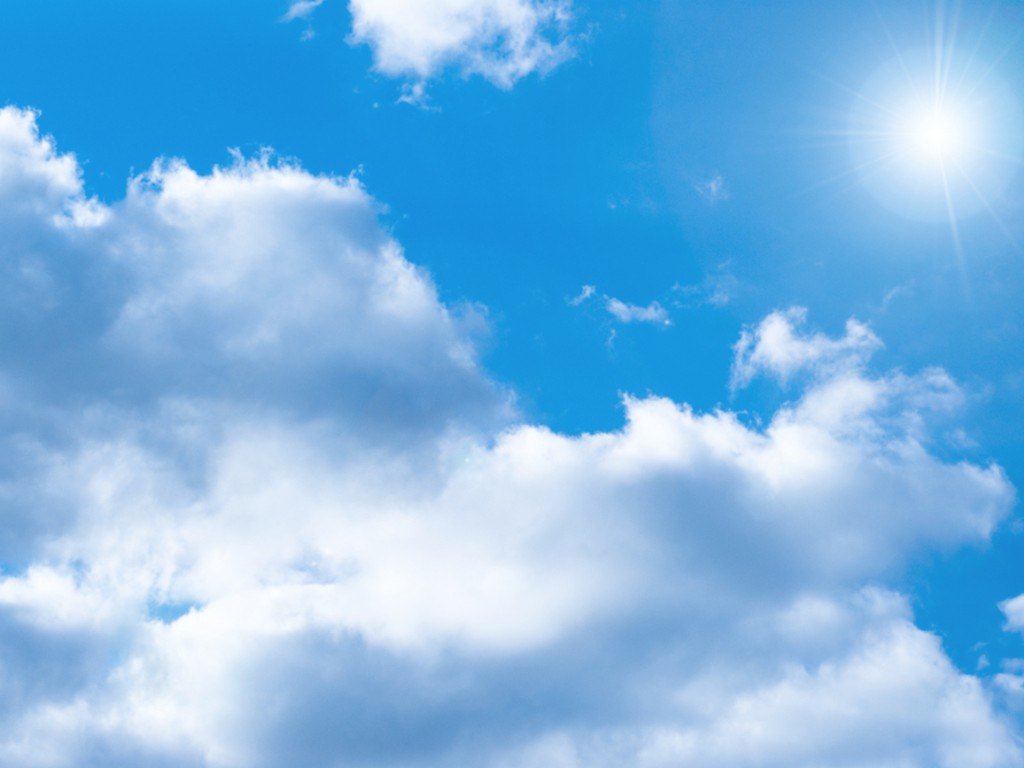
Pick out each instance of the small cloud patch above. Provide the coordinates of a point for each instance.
(634, 313)
(714, 189)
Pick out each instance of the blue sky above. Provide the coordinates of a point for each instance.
(511, 383)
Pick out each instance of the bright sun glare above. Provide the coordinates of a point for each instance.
(937, 135)
(933, 132)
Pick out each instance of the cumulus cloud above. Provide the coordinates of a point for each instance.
(35, 181)
(265, 273)
(282, 517)
(501, 40)
(1009, 685)
(1014, 611)
(895, 694)
(886, 696)
(777, 347)
(259, 282)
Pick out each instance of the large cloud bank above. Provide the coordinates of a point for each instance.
(262, 507)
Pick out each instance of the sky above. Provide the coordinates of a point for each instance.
(511, 383)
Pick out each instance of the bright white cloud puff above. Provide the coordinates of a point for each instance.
(501, 40)
(777, 347)
(281, 517)
(1014, 610)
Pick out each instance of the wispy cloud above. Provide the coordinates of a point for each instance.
(713, 189)
(635, 313)
(718, 289)
(622, 311)
(301, 9)
(586, 292)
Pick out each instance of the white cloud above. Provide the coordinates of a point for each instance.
(1014, 611)
(282, 517)
(896, 700)
(501, 40)
(586, 292)
(776, 347)
(35, 181)
(258, 281)
(634, 313)
(886, 695)
(269, 272)
(622, 311)
(40, 190)
(302, 9)
(1009, 684)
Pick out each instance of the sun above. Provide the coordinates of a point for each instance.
(934, 133)
(937, 135)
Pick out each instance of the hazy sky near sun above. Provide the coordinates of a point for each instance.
(511, 383)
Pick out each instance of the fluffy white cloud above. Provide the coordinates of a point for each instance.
(265, 278)
(503, 545)
(42, 204)
(259, 283)
(1014, 610)
(894, 700)
(885, 695)
(283, 518)
(35, 181)
(1009, 683)
(502, 40)
(888, 697)
(776, 347)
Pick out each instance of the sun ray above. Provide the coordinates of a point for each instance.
(954, 230)
(857, 94)
(998, 154)
(911, 81)
(860, 168)
(976, 50)
(994, 64)
(990, 209)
